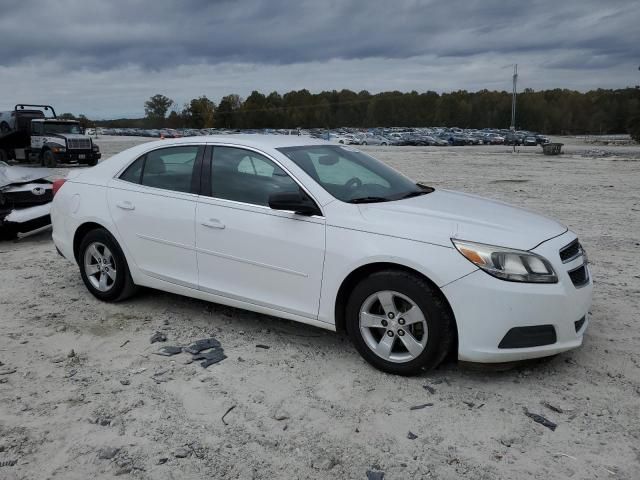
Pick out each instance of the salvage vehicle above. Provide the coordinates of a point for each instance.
(25, 200)
(326, 235)
(27, 134)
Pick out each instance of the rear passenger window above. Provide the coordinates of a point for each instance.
(134, 172)
(167, 168)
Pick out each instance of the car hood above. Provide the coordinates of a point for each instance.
(441, 215)
(10, 175)
(67, 135)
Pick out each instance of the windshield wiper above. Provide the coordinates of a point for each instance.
(368, 200)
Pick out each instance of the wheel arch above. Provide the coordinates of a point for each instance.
(351, 280)
(81, 232)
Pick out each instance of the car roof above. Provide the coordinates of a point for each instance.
(249, 140)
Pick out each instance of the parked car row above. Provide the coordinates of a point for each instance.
(434, 136)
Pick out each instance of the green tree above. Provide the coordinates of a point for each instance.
(199, 113)
(227, 112)
(156, 108)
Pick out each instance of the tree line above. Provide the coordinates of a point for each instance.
(557, 111)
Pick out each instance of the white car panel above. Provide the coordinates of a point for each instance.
(157, 226)
(254, 253)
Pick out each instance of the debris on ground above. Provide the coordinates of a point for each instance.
(265, 347)
(158, 337)
(429, 389)
(420, 407)
(8, 463)
(182, 452)
(107, 453)
(552, 407)
(411, 435)
(200, 345)
(209, 350)
(7, 371)
(213, 356)
(541, 420)
(169, 351)
(226, 413)
(375, 475)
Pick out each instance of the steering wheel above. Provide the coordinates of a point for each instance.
(353, 183)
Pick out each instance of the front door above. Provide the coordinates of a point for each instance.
(246, 250)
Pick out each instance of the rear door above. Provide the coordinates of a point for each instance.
(153, 205)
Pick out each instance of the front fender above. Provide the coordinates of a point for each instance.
(347, 250)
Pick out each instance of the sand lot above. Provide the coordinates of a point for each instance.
(308, 406)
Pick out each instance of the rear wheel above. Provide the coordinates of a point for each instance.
(3, 155)
(49, 159)
(103, 267)
(4, 127)
(399, 323)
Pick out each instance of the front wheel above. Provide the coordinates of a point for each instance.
(49, 159)
(399, 323)
(103, 267)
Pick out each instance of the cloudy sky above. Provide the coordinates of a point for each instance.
(104, 58)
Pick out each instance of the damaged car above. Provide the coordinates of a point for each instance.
(25, 200)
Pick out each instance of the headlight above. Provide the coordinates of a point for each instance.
(507, 264)
(58, 149)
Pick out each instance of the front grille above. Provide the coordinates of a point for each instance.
(579, 324)
(79, 143)
(579, 276)
(571, 251)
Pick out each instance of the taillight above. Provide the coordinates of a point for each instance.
(57, 183)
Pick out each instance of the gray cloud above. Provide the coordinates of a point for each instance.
(260, 44)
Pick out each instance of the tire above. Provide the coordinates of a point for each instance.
(4, 127)
(100, 243)
(93, 162)
(434, 331)
(364, 143)
(49, 159)
(3, 155)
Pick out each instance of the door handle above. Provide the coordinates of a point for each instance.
(213, 223)
(125, 205)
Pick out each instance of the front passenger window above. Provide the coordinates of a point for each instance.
(247, 177)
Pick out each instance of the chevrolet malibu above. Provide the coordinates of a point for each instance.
(326, 235)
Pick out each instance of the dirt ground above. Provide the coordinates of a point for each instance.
(82, 395)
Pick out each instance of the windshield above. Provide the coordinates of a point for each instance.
(351, 176)
(62, 127)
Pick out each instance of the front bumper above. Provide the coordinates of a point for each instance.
(487, 308)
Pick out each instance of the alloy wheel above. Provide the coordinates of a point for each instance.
(100, 267)
(393, 326)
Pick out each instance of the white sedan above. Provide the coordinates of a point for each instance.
(325, 235)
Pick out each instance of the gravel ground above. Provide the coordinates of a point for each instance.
(83, 396)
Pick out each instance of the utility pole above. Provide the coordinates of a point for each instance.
(513, 97)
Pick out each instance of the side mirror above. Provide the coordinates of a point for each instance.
(298, 202)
